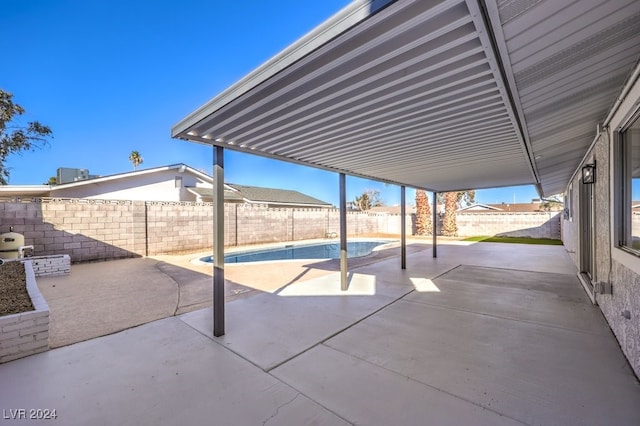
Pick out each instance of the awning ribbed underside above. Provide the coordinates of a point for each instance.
(441, 95)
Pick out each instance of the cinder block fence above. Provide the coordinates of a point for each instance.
(90, 230)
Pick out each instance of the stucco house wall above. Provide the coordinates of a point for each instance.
(611, 264)
(166, 185)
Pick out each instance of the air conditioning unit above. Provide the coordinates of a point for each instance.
(68, 175)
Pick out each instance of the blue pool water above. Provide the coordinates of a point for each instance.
(308, 251)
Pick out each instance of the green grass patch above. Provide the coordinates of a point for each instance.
(515, 240)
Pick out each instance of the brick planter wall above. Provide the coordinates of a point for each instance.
(26, 333)
(51, 265)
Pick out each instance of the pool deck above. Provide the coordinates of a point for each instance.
(486, 334)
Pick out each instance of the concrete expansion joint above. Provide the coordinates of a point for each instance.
(175, 311)
(484, 314)
(412, 379)
(322, 342)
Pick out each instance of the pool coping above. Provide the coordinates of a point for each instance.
(287, 244)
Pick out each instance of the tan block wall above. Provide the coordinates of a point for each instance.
(90, 230)
(534, 225)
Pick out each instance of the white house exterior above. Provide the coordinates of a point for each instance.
(176, 182)
(167, 183)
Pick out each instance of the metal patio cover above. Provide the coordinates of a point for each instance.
(440, 95)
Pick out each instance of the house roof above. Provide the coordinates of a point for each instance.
(255, 194)
(229, 194)
(232, 192)
(479, 207)
(441, 95)
(24, 190)
(506, 208)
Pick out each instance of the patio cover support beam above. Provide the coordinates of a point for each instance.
(403, 229)
(218, 241)
(343, 233)
(435, 225)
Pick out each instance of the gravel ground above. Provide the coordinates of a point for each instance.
(14, 297)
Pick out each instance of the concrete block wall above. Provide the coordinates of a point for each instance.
(89, 230)
(26, 333)
(261, 225)
(534, 225)
(313, 223)
(175, 227)
(84, 230)
(391, 224)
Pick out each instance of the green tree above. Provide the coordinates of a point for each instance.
(136, 159)
(423, 213)
(369, 198)
(465, 198)
(53, 180)
(14, 137)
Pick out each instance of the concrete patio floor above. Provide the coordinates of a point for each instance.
(487, 334)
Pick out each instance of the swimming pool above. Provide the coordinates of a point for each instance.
(329, 250)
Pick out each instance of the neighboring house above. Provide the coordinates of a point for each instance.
(482, 208)
(176, 182)
(271, 197)
(532, 207)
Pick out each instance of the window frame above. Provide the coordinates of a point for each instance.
(623, 185)
(568, 202)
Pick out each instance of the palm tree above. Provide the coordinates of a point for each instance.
(423, 213)
(136, 159)
(449, 225)
(452, 202)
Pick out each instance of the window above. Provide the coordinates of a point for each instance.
(178, 181)
(628, 186)
(568, 203)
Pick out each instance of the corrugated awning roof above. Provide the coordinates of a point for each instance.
(441, 95)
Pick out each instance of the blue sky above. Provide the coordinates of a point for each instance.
(113, 76)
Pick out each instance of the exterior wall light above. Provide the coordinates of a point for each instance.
(589, 174)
